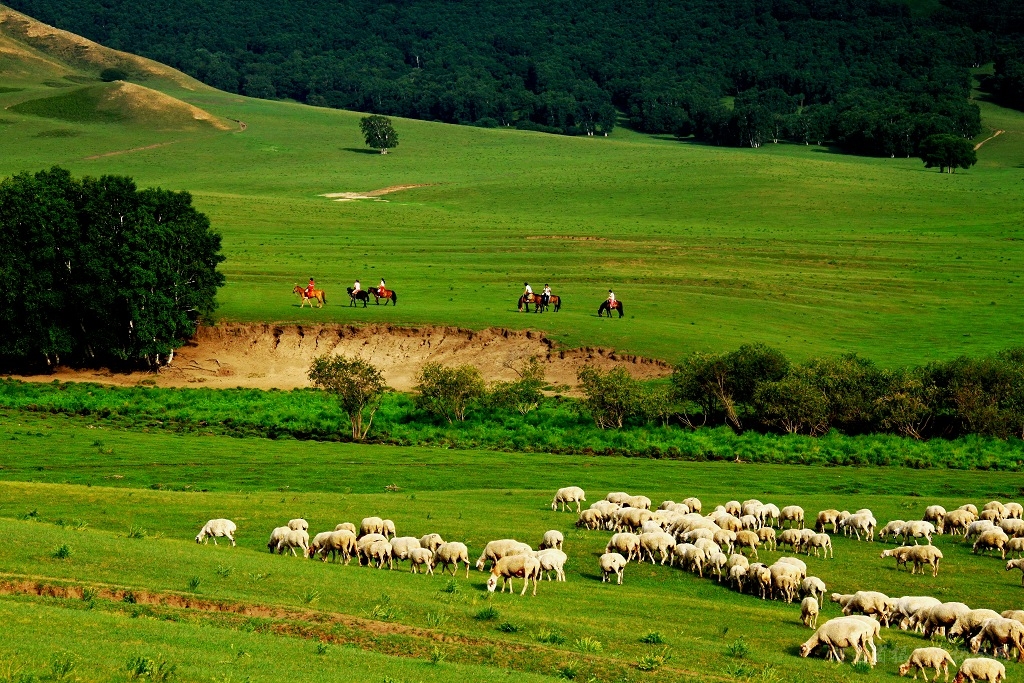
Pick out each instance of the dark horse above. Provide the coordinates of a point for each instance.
(386, 295)
(354, 296)
(607, 307)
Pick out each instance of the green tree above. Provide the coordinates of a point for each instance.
(611, 397)
(378, 132)
(447, 392)
(522, 395)
(947, 153)
(356, 384)
(792, 404)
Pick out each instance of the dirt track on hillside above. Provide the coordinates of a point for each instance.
(264, 356)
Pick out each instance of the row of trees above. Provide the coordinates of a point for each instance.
(96, 270)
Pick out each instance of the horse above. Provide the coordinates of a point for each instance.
(318, 294)
(556, 301)
(526, 299)
(388, 294)
(606, 306)
(361, 295)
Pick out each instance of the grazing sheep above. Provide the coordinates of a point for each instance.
(552, 539)
(590, 519)
(821, 542)
(750, 507)
(729, 523)
(298, 525)
(693, 503)
(892, 529)
(928, 658)
(618, 497)
(956, 521)
(760, 577)
(1013, 510)
(734, 508)
(766, 535)
(612, 563)
(275, 537)
(346, 526)
(217, 528)
(993, 516)
(992, 539)
(980, 669)
(785, 580)
(996, 506)
(716, 562)
(1013, 527)
(707, 546)
(694, 534)
(450, 554)
(799, 564)
(921, 555)
(1013, 614)
(651, 527)
(978, 528)
(737, 576)
(902, 554)
(791, 537)
(969, 623)
(339, 544)
(813, 587)
(639, 502)
(631, 518)
(826, 517)
(507, 569)
(402, 546)
(737, 559)
(363, 546)
(421, 557)
(371, 525)
(495, 550)
(861, 522)
(747, 539)
(1016, 564)
(431, 542)
(569, 494)
(794, 514)
(908, 606)
(868, 603)
(750, 522)
(726, 539)
(809, 612)
(389, 528)
(625, 543)
(292, 539)
(770, 514)
(318, 543)
(918, 529)
(970, 507)
(381, 552)
(658, 542)
(935, 514)
(1000, 632)
(942, 617)
(689, 557)
(837, 635)
(552, 560)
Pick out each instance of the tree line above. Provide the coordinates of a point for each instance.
(95, 270)
(862, 74)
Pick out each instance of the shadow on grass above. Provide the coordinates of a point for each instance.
(359, 150)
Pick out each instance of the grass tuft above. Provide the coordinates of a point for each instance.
(550, 637)
(588, 644)
(737, 649)
(653, 661)
(62, 552)
(653, 638)
(488, 613)
(194, 583)
(508, 627)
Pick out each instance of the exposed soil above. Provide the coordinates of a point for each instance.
(264, 356)
(994, 135)
(372, 194)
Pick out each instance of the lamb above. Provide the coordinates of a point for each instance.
(747, 539)
(217, 528)
(809, 612)
(552, 539)
(837, 635)
(766, 535)
(826, 517)
(631, 518)
(737, 559)
(389, 528)
(1000, 632)
(693, 503)
(625, 543)
(980, 669)
(924, 554)
(612, 563)
(1016, 564)
(495, 550)
(726, 539)
(363, 546)
(908, 607)
(689, 557)
(716, 562)
(750, 507)
(918, 529)
(346, 526)
(569, 494)
(451, 554)
(770, 514)
(402, 546)
(992, 539)
(928, 658)
(659, 542)
(997, 506)
(421, 557)
(868, 603)
(813, 587)
(431, 542)
(318, 543)
(794, 514)
(513, 567)
(750, 522)
(941, 617)
(590, 519)
(874, 631)
(892, 528)
(651, 527)
(371, 525)
(552, 560)
(298, 525)
(292, 539)
(381, 552)
(821, 542)
(969, 623)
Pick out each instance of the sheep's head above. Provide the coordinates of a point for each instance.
(975, 644)
(904, 668)
(201, 536)
(805, 649)
(492, 583)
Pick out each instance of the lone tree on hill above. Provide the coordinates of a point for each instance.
(356, 384)
(379, 132)
(948, 153)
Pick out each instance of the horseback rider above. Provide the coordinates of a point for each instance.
(611, 299)
(546, 296)
(528, 292)
(309, 288)
(356, 288)
(381, 288)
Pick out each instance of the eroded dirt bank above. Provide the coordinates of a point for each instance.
(265, 356)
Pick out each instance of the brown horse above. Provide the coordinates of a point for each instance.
(556, 301)
(606, 306)
(526, 299)
(386, 294)
(318, 294)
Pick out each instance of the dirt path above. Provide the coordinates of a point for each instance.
(372, 194)
(129, 151)
(264, 356)
(994, 135)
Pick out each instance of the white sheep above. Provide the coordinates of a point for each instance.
(292, 539)
(700, 532)
(389, 528)
(813, 587)
(978, 528)
(381, 552)
(371, 525)
(928, 658)
(552, 539)
(785, 580)
(766, 535)
(590, 519)
(298, 524)
(956, 521)
(791, 537)
(363, 546)
(749, 522)
(401, 546)
(452, 553)
(760, 577)
(921, 555)
(631, 518)
(980, 669)
(318, 542)
(657, 542)
(612, 563)
(431, 542)
(837, 635)
(868, 603)
(716, 562)
(821, 542)
(747, 539)
(936, 514)
(992, 539)
(421, 557)
(639, 502)
(707, 546)
(809, 612)
(569, 494)
(689, 557)
(892, 529)
(217, 528)
(862, 523)
(1013, 510)
(1000, 633)
(619, 497)
(737, 576)
(1013, 614)
(798, 563)
(969, 623)
(918, 529)
(1013, 527)
(625, 543)
(942, 617)
(909, 605)
(552, 560)
(693, 503)
(524, 567)
(970, 507)
(275, 537)
(347, 526)
(826, 517)
(339, 544)
(495, 550)
(794, 514)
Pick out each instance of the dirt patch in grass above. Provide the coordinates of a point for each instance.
(264, 356)
(372, 194)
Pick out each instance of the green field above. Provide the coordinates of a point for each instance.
(799, 247)
(133, 502)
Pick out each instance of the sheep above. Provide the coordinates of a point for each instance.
(651, 527)
(298, 525)
(693, 503)
(1013, 510)
(844, 515)
(785, 580)
(980, 669)
(318, 542)
(737, 560)
(862, 523)
(513, 567)
(495, 550)
(794, 514)
(1013, 527)
(969, 623)
(918, 529)
(791, 537)
(750, 506)
(421, 557)
(552, 539)
(977, 528)
(389, 528)
(993, 516)
(729, 523)
(893, 528)
(760, 577)
(431, 542)
(217, 528)
(381, 551)
(612, 563)
(766, 535)
(371, 525)
(733, 508)
(339, 544)
(726, 539)
(275, 537)
(737, 575)
(689, 557)
(935, 514)
(909, 605)
(1000, 632)
(605, 506)
(452, 553)
(826, 517)
(928, 658)
(747, 539)
(842, 599)
(694, 534)
(363, 546)
(639, 502)
(992, 539)
(969, 507)
(659, 542)
(996, 506)
(1016, 564)
(799, 564)
(346, 526)
(590, 519)
(292, 539)
(813, 587)
(943, 616)
(625, 543)
(750, 522)
(924, 554)
(716, 562)
(402, 546)
(809, 612)
(552, 560)
(618, 497)
(837, 635)
(631, 518)
(820, 542)
(868, 603)
(957, 521)
(569, 494)
(707, 546)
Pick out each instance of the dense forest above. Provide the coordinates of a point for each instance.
(863, 74)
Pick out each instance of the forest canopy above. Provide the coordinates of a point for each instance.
(863, 74)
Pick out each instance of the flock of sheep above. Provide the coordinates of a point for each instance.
(718, 544)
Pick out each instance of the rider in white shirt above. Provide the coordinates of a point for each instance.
(356, 287)
(611, 298)
(528, 291)
(547, 294)
(381, 287)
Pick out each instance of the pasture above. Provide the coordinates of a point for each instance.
(127, 506)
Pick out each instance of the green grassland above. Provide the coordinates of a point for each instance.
(128, 509)
(805, 249)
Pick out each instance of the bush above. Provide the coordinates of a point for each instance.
(611, 397)
(354, 383)
(111, 74)
(522, 395)
(447, 392)
(792, 404)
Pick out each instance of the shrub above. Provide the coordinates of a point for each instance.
(488, 613)
(62, 552)
(792, 404)
(904, 406)
(588, 644)
(549, 636)
(653, 638)
(447, 392)
(611, 397)
(522, 395)
(354, 383)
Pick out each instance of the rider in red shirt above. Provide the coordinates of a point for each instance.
(310, 287)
